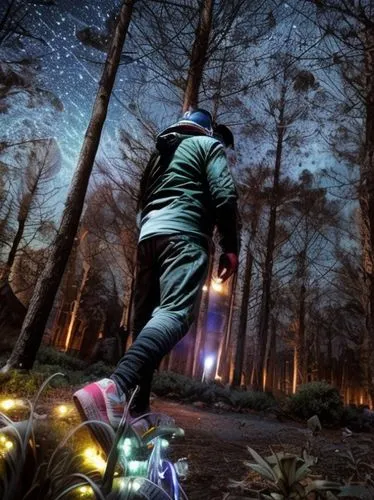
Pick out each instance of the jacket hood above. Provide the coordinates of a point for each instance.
(169, 139)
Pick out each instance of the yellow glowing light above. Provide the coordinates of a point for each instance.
(8, 404)
(8, 445)
(85, 491)
(2, 439)
(217, 287)
(62, 410)
(95, 459)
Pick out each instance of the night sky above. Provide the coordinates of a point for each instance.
(67, 72)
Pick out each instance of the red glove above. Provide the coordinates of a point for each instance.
(227, 266)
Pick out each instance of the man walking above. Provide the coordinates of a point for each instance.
(186, 190)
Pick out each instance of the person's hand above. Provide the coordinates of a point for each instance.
(228, 264)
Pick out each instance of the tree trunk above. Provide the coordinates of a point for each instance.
(74, 313)
(198, 55)
(242, 328)
(225, 351)
(13, 251)
(28, 343)
(263, 331)
(368, 181)
(201, 320)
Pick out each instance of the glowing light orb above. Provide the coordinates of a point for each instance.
(93, 457)
(208, 362)
(62, 410)
(127, 447)
(217, 287)
(5, 445)
(8, 404)
(85, 491)
(8, 445)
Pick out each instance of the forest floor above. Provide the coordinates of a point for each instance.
(215, 444)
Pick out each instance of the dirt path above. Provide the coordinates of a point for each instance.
(216, 447)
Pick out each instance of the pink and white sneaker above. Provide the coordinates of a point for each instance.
(101, 401)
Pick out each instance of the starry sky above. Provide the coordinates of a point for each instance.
(71, 71)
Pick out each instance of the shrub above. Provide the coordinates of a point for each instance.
(97, 371)
(175, 385)
(317, 398)
(258, 401)
(49, 356)
(18, 383)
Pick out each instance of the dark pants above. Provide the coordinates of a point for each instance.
(170, 272)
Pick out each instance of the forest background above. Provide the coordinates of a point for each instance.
(295, 83)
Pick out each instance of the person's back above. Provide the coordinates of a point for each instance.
(187, 189)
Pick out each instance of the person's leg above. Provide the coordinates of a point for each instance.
(102, 400)
(183, 265)
(146, 299)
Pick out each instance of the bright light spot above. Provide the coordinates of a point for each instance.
(208, 362)
(95, 459)
(127, 447)
(205, 288)
(62, 410)
(217, 287)
(85, 491)
(8, 445)
(164, 443)
(136, 485)
(8, 404)
(138, 468)
(5, 445)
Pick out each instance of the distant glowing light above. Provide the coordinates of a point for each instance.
(8, 404)
(217, 287)
(95, 459)
(208, 362)
(205, 288)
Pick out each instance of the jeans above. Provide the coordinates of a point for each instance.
(170, 272)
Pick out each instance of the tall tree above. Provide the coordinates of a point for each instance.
(252, 200)
(38, 161)
(350, 25)
(286, 106)
(24, 352)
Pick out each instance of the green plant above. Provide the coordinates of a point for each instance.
(49, 356)
(317, 398)
(288, 476)
(67, 474)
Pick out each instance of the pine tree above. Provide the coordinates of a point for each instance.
(24, 352)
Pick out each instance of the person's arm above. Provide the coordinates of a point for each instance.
(224, 196)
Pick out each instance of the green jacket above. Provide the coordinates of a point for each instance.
(187, 188)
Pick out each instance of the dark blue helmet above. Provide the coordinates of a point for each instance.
(197, 119)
